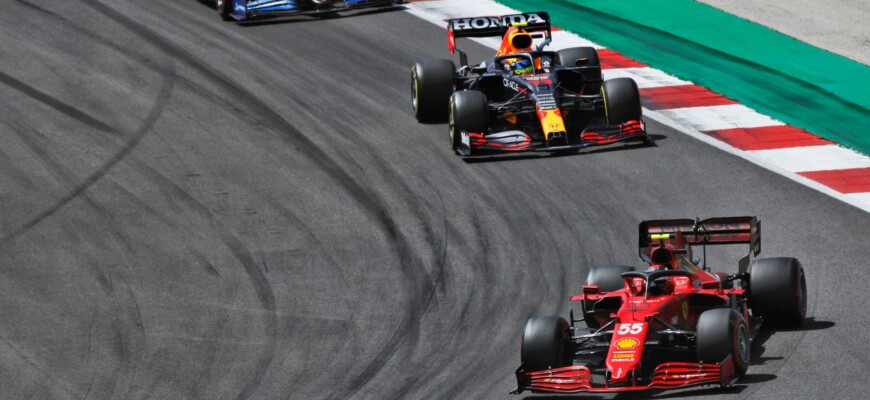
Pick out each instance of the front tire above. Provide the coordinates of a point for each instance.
(224, 9)
(621, 101)
(722, 332)
(432, 82)
(778, 291)
(544, 343)
(468, 112)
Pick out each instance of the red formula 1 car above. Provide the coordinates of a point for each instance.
(673, 325)
(525, 99)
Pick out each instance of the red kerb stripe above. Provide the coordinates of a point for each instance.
(856, 180)
(681, 96)
(611, 59)
(768, 137)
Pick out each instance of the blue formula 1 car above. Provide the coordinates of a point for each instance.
(242, 10)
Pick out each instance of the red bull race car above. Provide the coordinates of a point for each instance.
(524, 99)
(675, 324)
(241, 10)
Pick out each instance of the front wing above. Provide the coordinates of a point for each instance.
(245, 9)
(475, 143)
(669, 375)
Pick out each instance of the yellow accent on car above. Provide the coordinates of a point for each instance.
(552, 123)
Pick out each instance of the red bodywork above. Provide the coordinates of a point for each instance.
(644, 316)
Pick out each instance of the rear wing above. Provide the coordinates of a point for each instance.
(496, 26)
(711, 231)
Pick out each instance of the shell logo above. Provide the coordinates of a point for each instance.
(627, 343)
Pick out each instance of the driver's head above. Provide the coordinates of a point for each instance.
(522, 67)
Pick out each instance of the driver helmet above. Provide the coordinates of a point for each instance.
(522, 66)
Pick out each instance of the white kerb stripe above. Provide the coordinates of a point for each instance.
(813, 158)
(645, 77)
(719, 117)
(861, 198)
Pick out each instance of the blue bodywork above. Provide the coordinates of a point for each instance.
(248, 9)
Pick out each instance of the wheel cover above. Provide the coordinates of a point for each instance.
(742, 343)
(452, 126)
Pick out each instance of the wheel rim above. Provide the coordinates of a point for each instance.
(743, 343)
(452, 126)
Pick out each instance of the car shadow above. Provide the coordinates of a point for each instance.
(498, 157)
(810, 324)
(292, 19)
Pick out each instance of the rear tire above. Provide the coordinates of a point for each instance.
(544, 343)
(224, 9)
(778, 291)
(432, 82)
(608, 278)
(722, 332)
(468, 112)
(568, 57)
(621, 101)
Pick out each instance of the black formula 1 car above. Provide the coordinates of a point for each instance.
(524, 99)
(675, 324)
(241, 10)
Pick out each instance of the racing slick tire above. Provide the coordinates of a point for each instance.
(778, 291)
(608, 278)
(568, 57)
(621, 100)
(544, 343)
(722, 332)
(468, 112)
(224, 9)
(432, 82)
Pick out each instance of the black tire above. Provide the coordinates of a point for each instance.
(723, 332)
(621, 100)
(224, 9)
(544, 343)
(568, 57)
(778, 291)
(608, 278)
(468, 112)
(432, 82)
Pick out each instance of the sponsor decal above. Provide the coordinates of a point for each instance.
(511, 84)
(466, 24)
(627, 343)
(547, 102)
(622, 356)
(685, 310)
(674, 320)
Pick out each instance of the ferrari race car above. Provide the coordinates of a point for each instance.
(240, 10)
(675, 324)
(524, 99)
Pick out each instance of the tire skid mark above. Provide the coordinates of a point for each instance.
(58, 105)
(297, 139)
(153, 115)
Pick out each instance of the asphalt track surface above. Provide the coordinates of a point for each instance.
(196, 209)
